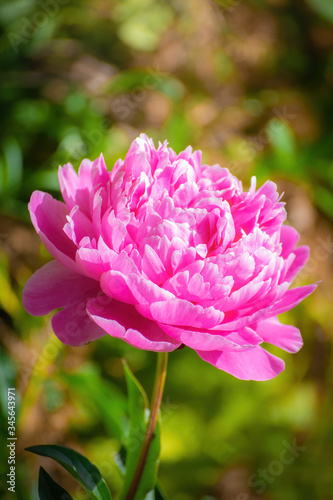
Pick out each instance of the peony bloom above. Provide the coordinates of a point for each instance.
(163, 251)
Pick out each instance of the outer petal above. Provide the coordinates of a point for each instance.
(301, 257)
(54, 286)
(210, 341)
(289, 238)
(73, 326)
(285, 336)
(122, 321)
(254, 364)
(291, 298)
(49, 218)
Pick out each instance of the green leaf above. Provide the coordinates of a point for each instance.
(159, 493)
(79, 466)
(14, 163)
(48, 489)
(283, 143)
(138, 412)
(323, 7)
(104, 397)
(146, 80)
(324, 200)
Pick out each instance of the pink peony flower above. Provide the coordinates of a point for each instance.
(163, 251)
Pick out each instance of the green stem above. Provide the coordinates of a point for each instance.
(162, 361)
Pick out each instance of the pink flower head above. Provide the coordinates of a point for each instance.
(164, 251)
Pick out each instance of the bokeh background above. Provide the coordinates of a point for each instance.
(249, 83)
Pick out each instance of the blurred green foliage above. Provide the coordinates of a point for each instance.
(249, 83)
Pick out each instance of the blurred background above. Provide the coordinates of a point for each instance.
(249, 83)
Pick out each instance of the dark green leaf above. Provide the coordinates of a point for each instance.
(122, 458)
(79, 466)
(159, 493)
(48, 489)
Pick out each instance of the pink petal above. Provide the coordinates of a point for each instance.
(122, 321)
(254, 364)
(74, 327)
(114, 231)
(115, 285)
(301, 257)
(49, 218)
(54, 286)
(291, 298)
(185, 194)
(76, 188)
(79, 226)
(90, 262)
(99, 175)
(181, 312)
(207, 340)
(239, 298)
(145, 291)
(152, 266)
(289, 238)
(285, 336)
